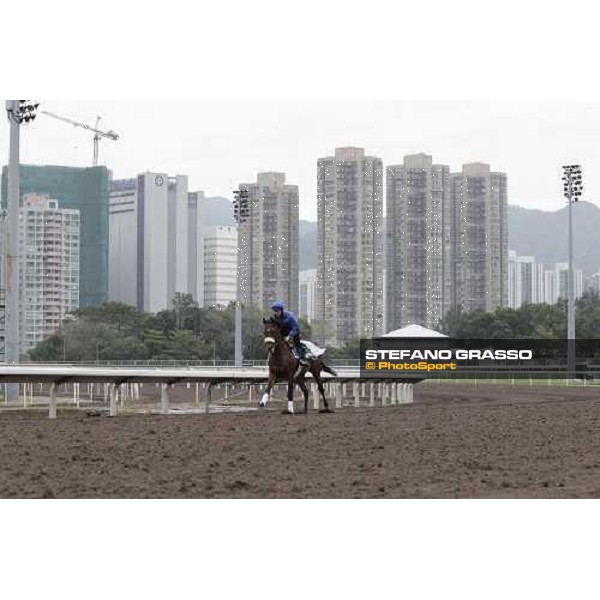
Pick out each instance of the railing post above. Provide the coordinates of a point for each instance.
(52, 402)
(114, 391)
(315, 394)
(207, 394)
(164, 399)
(338, 395)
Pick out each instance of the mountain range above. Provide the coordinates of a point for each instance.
(531, 232)
(543, 234)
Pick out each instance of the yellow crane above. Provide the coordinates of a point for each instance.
(111, 135)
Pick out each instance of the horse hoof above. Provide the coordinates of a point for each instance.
(326, 410)
(287, 412)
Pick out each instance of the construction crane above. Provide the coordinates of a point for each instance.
(97, 133)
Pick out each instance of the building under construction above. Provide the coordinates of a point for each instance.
(86, 190)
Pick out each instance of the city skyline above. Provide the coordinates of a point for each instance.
(288, 136)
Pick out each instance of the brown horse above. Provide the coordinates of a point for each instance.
(283, 365)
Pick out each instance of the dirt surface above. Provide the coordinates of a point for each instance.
(456, 440)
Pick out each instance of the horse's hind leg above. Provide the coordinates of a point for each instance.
(322, 392)
(304, 388)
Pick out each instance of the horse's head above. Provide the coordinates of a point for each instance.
(272, 334)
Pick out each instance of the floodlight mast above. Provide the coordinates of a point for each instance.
(18, 113)
(573, 188)
(241, 214)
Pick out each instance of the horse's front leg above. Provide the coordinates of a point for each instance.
(290, 396)
(267, 394)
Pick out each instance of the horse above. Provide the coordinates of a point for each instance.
(284, 365)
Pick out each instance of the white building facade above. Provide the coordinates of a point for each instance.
(220, 265)
(195, 251)
(308, 294)
(559, 287)
(526, 280)
(151, 218)
(535, 283)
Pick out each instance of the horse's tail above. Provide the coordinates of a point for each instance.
(328, 369)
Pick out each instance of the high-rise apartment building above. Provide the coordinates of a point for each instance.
(559, 288)
(85, 190)
(479, 239)
(418, 249)
(595, 283)
(447, 241)
(196, 216)
(268, 243)
(308, 294)
(220, 265)
(150, 220)
(49, 257)
(350, 247)
(526, 282)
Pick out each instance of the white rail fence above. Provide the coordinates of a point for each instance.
(217, 389)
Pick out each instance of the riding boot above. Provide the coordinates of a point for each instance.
(301, 355)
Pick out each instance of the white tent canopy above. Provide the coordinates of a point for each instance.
(414, 331)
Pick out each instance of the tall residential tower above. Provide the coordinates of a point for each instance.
(350, 247)
(268, 243)
(418, 250)
(479, 239)
(49, 254)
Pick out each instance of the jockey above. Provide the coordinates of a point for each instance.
(290, 329)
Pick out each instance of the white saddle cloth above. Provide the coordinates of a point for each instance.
(313, 348)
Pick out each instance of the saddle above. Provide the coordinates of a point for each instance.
(311, 351)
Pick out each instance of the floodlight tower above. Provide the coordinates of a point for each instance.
(241, 214)
(18, 112)
(573, 188)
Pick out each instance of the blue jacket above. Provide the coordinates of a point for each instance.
(290, 324)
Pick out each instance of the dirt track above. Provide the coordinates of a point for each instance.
(454, 441)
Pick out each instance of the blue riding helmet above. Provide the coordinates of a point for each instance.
(278, 305)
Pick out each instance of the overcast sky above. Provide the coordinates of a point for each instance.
(220, 144)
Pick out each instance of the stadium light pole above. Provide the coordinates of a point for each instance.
(240, 213)
(573, 187)
(18, 112)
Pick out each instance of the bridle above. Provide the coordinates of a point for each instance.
(270, 340)
(270, 343)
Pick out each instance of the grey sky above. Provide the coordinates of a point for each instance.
(221, 143)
